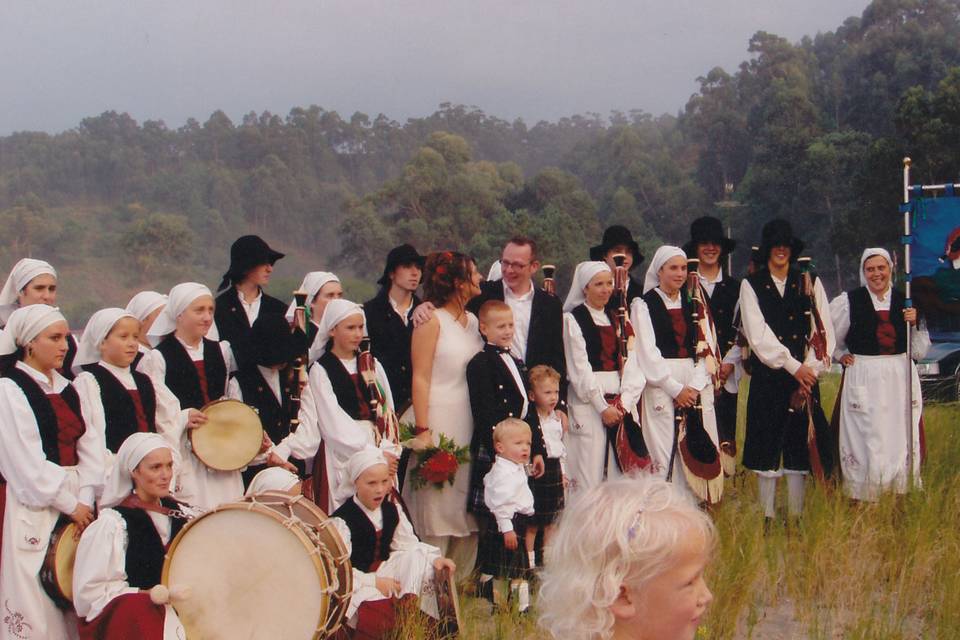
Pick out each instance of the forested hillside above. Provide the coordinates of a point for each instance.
(813, 131)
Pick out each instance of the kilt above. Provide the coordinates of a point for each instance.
(548, 495)
(496, 559)
(480, 464)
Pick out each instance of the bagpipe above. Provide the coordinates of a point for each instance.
(699, 456)
(298, 368)
(629, 448)
(809, 402)
(549, 284)
(386, 423)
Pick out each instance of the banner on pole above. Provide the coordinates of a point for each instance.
(935, 260)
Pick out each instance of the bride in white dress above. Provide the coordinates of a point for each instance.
(440, 351)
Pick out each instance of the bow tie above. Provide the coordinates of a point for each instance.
(500, 349)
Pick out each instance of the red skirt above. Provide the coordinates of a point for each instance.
(132, 615)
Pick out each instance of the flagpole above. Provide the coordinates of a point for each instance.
(908, 303)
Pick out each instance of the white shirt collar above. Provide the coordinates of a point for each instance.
(243, 300)
(525, 297)
(705, 279)
(59, 382)
(375, 516)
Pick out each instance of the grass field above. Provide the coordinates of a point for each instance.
(886, 571)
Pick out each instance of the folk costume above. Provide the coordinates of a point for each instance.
(140, 307)
(508, 497)
(391, 328)
(674, 352)
(548, 491)
(233, 314)
(722, 294)
(117, 401)
(873, 398)
(776, 326)
(189, 377)
(496, 381)
(382, 544)
(121, 555)
(266, 382)
(591, 350)
(616, 235)
(51, 463)
(22, 273)
(337, 418)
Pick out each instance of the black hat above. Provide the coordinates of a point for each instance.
(779, 233)
(708, 229)
(271, 340)
(246, 253)
(613, 236)
(399, 256)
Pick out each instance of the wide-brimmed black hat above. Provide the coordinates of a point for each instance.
(272, 342)
(246, 253)
(779, 233)
(617, 235)
(708, 229)
(399, 256)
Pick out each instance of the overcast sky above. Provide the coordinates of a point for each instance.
(535, 59)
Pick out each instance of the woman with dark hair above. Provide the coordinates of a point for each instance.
(51, 463)
(440, 351)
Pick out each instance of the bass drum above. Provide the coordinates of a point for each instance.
(272, 566)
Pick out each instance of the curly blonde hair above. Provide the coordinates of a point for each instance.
(624, 531)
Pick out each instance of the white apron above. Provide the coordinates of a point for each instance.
(873, 430)
(587, 441)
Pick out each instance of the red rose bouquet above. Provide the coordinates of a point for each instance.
(437, 466)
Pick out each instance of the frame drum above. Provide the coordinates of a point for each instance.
(230, 439)
(272, 566)
(56, 574)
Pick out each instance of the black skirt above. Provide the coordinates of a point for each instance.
(548, 496)
(480, 465)
(496, 559)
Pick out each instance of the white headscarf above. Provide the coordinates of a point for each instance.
(95, 333)
(333, 314)
(134, 449)
(25, 324)
(660, 258)
(180, 298)
(272, 479)
(869, 253)
(359, 462)
(145, 303)
(20, 276)
(584, 273)
(496, 272)
(312, 283)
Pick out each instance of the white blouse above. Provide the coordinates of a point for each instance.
(34, 480)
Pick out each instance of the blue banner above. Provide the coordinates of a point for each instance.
(935, 260)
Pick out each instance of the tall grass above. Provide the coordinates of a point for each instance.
(884, 571)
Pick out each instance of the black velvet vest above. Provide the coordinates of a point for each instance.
(363, 537)
(722, 305)
(119, 412)
(784, 315)
(43, 410)
(145, 550)
(275, 416)
(862, 337)
(182, 378)
(342, 383)
(591, 335)
(663, 325)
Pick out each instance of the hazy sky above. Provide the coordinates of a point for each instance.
(536, 59)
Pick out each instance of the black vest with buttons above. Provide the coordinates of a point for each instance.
(343, 386)
(274, 415)
(785, 315)
(363, 537)
(145, 549)
(119, 412)
(591, 334)
(862, 337)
